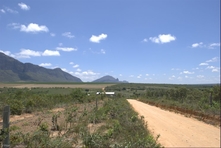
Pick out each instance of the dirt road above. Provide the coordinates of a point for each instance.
(177, 130)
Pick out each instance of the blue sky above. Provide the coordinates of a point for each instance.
(145, 41)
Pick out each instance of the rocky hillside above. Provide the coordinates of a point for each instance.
(12, 70)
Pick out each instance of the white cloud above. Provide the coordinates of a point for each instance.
(32, 27)
(60, 44)
(65, 70)
(103, 51)
(68, 35)
(200, 76)
(197, 45)
(213, 45)
(131, 76)
(23, 6)
(147, 75)
(10, 10)
(145, 40)
(86, 75)
(51, 53)
(97, 39)
(71, 63)
(66, 49)
(139, 76)
(214, 69)
(203, 64)
(217, 69)
(120, 75)
(79, 70)
(173, 76)
(186, 77)
(2, 10)
(45, 64)
(215, 59)
(163, 38)
(27, 53)
(53, 34)
(75, 66)
(6, 52)
(210, 67)
(188, 72)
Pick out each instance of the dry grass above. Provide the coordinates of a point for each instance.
(89, 86)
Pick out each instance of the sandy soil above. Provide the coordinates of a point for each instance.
(177, 130)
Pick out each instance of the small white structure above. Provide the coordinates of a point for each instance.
(106, 93)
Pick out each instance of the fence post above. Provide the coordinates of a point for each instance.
(6, 114)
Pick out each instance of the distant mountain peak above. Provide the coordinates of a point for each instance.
(108, 79)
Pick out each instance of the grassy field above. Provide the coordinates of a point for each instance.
(52, 85)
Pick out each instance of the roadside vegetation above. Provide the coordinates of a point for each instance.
(200, 101)
(81, 123)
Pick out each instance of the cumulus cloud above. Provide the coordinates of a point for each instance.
(188, 72)
(213, 45)
(215, 59)
(28, 53)
(203, 64)
(214, 69)
(163, 38)
(50, 53)
(79, 70)
(66, 49)
(75, 66)
(97, 39)
(32, 27)
(71, 63)
(45, 64)
(217, 69)
(197, 45)
(147, 75)
(23, 6)
(68, 35)
(86, 75)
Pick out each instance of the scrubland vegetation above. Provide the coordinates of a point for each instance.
(81, 124)
(201, 101)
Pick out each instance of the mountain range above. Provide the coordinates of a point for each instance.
(12, 70)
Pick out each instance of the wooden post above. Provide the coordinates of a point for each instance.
(6, 114)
